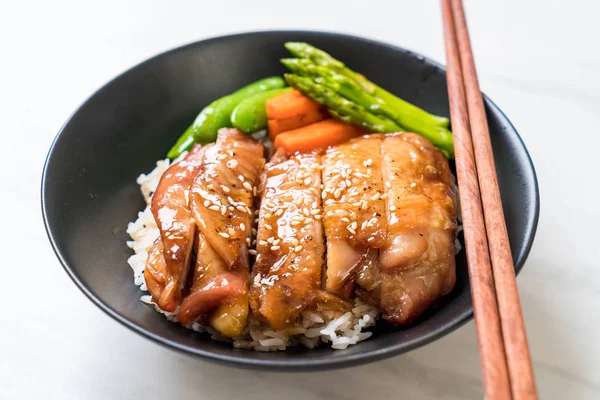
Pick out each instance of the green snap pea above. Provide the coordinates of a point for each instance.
(217, 115)
(251, 115)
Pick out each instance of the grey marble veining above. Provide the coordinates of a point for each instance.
(537, 60)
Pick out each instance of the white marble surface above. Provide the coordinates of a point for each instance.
(539, 60)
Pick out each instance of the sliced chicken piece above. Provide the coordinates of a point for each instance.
(368, 278)
(214, 285)
(354, 210)
(329, 305)
(156, 272)
(176, 224)
(222, 201)
(287, 273)
(222, 195)
(418, 264)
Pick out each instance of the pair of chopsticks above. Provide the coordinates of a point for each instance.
(503, 349)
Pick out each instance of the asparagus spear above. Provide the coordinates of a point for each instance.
(305, 50)
(348, 89)
(352, 112)
(342, 85)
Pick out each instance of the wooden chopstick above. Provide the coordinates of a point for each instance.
(504, 354)
(511, 318)
(487, 321)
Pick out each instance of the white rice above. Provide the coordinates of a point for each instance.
(310, 330)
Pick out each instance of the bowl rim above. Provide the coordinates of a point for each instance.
(288, 365)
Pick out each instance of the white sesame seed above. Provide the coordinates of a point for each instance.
(294, 223)
(356, 204)
(225, 189)
(269, 227)
(298, 248)
(210, 186)
(253, 252)
(318, 216)
(214, 208)
(230, 200)
(247, 186)
(279, 212)
(206, 203)
(315, 211)
(388, 185)
(231, 231)
(305, 211)
(295, 242)
(344, 219)
(351, 230)
(413, 184)
(368, 163)
(276, 242)
(270, 239)
(254, 242)
(267, 215)
(384, 196)
(344, 174)
(392, 208)
(221, 157)
(275, 248)
(364, 205)
(353, 225)
(257, 279)
(376, 196)
(231, 164)
(348, 183)
(308, 180)
(370, 239)
(223, 234)
(241, 178)
(223, 210)
(248, 241)
(262, 243)
(314, 205)
(324, 194)
(240, 208)
(254, 231)
(337, 193)
(243, 226)
(230, 152)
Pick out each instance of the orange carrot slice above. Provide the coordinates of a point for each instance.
(290, 104)
(277, 126)
(329, 132)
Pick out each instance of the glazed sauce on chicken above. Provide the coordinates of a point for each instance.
(374, 217)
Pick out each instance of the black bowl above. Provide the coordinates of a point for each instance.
(89, 192)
